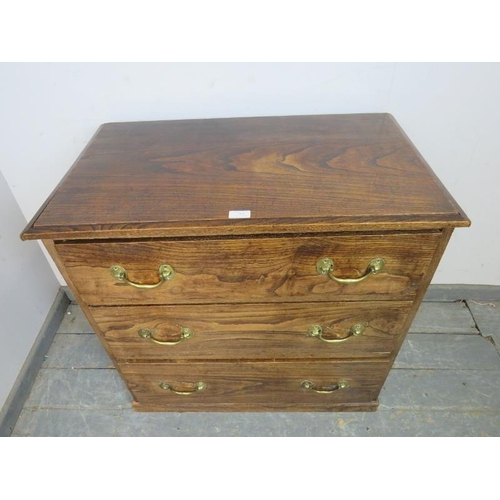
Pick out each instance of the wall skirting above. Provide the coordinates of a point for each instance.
(22, 386)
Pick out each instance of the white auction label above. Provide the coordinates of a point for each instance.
(240, 214)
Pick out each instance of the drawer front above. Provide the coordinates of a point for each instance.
(252, 331)
(249, 269)
(254, 385)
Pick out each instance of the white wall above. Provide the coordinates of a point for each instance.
(450, 111)
(27, 290)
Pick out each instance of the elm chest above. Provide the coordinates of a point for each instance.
(250, 264)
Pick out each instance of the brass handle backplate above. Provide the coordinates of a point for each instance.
(146, 333)
(341, 384)
(197, 386)
(317, 331)
(165, 273)
(326, 266)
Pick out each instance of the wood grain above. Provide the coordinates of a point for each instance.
(183, 177)
(254, 385)
(252, 331)
(250, 269)
(436, 258)
(263, 407)
(50, 246)
(348, 187)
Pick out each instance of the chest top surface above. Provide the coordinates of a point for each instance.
(288, 174)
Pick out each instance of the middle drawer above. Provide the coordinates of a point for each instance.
(252, 331)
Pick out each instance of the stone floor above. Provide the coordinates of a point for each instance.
(445, 382)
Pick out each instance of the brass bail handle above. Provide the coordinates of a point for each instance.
(146, 333)
(317, 331)
(326, 266)
(165, 273)
(197, 386)
(341, 384)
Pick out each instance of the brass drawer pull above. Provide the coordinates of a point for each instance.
(317, 331)
(165, 273)
(146, 333)
(341, 384)
(198, 386)
(326, 266)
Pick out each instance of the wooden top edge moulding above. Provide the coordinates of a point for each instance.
(237, 176)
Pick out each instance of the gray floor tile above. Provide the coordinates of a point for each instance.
(429, 423)
(213, 424)
(441, 390)
(76, 351)
(450, 293)
(74, 321)
(443, 317)
(445, 351)
(380, 423)
(78, 389)
(487, 316)
(67, 423)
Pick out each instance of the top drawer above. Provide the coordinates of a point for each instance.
(250, 269)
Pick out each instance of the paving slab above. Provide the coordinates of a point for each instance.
(441, 390)
(487, 317)
(450, 293)
(444, 317)
(447, 352)
(66, 423)
(78, 389)
(76, 351)
(75, 321)
(80, 423)
(380, 423)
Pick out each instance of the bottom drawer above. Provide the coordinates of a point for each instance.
(251, 386)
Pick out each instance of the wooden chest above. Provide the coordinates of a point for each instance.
(250, 264)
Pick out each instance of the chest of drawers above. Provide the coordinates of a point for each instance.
(250, 264)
